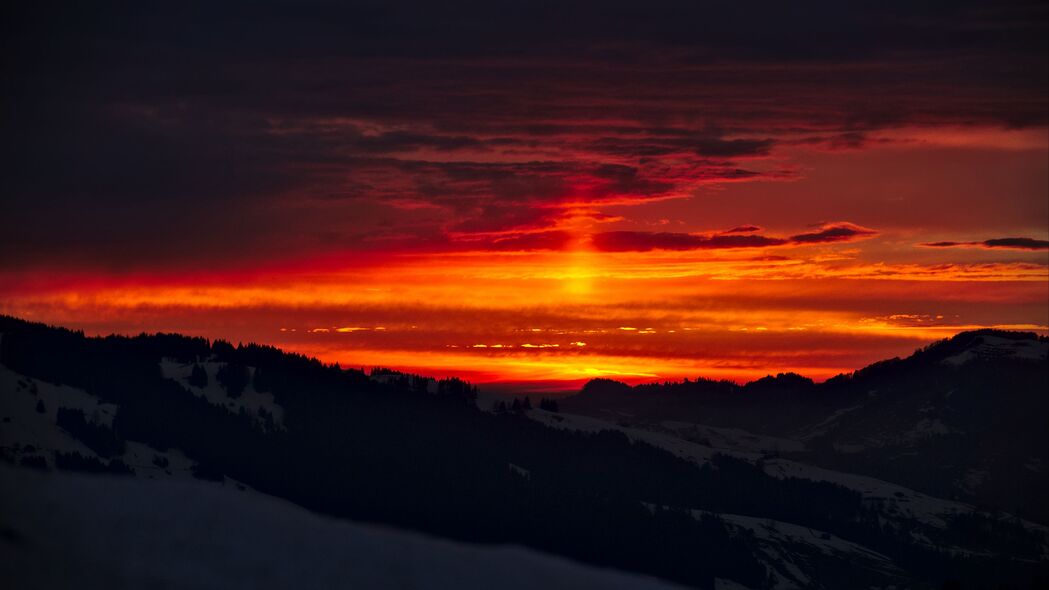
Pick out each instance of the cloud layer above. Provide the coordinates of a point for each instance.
(166, 136)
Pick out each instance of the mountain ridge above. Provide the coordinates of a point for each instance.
(960, 418)
(790, 381)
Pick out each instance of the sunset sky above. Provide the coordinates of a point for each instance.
(533, 194)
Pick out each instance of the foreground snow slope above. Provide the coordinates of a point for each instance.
(62, 530)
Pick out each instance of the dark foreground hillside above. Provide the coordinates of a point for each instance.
(419, 454)
(124, 532)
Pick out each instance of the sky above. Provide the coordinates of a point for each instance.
(533, 194)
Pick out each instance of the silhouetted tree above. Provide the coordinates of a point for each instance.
(33, 462)
(97, 437)
(199, 377)
(77, 462)
(234, 378)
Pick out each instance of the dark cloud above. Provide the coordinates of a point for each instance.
(834, 232)
(251, 126)
(1007, 243)
(1017, 243)
(737, 237)
(743, 229)
(710, 147)
(634, 241)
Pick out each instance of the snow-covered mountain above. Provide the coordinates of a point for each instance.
(992, 346)
(217, 465)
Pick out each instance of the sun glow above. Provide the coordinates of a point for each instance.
(567, 316)
(582, 271)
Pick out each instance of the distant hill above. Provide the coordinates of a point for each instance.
(417, 453)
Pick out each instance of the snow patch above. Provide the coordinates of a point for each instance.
(913, 505)
(788, 550)
(520, 471)
(249, 400)
(996, 347)
(696, 452)
(733, 438)
(25, 431)
(848, 447)
(972, 479)
(821, 428)
(926, 428)
(723, 584)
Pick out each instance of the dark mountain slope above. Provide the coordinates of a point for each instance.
(356, 448)
(962, 418)
(423, 458)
